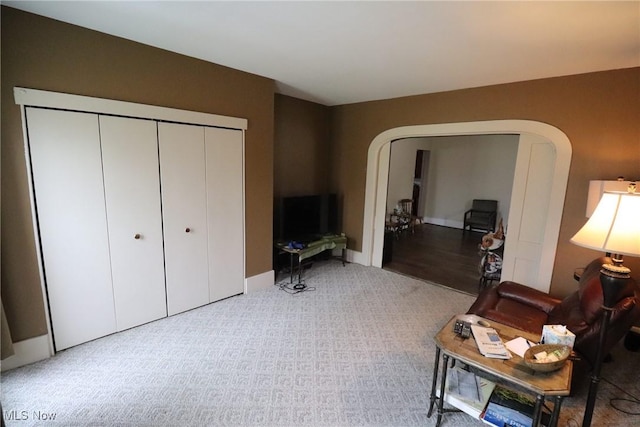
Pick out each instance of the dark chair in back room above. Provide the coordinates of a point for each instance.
(482, 215)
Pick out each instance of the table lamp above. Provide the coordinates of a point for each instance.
(614, 227)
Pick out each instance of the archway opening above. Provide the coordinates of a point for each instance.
(538, 143)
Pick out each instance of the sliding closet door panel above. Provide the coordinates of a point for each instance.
(132, 191)
(184, 211)
(225, 212)
(69, 193)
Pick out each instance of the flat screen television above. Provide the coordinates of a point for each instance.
(305, 218)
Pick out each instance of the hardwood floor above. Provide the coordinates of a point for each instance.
(442, 255)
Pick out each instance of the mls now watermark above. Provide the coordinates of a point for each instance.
(14, 415)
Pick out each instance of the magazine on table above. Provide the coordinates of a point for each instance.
(489, 342)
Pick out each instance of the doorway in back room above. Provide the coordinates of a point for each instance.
(537, 197)
(442, 175)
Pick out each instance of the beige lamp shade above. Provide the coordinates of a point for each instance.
(598, 187)
(614, 226)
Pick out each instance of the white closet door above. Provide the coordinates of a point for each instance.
(184, 208)
(225, 212)
(69, 192)
(132, 191)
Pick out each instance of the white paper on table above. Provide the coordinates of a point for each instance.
(519, 345)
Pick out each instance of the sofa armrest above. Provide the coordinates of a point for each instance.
(527, 296)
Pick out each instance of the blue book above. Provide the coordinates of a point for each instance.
(509, 408)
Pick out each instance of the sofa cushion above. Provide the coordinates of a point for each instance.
(519, 316)
(514, 305)
(527, 296)
(569, 313)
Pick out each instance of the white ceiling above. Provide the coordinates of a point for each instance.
(344, 52)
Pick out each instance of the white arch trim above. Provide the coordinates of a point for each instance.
(378, 172)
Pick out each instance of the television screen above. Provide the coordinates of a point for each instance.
(305, 218)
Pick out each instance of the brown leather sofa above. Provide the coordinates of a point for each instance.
(528, 309)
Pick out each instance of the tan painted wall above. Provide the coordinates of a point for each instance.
(598, 111)
(301, 147)
(45, 54)
(301, 151)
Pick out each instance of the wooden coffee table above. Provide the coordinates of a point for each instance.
(512, 372)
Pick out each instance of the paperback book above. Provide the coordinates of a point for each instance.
(489, 342)
(509, 408)
(468, 392)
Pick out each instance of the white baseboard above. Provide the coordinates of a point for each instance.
(260, 281)
(444, 222)
(349, 256)
(26, 352)
(356, 257)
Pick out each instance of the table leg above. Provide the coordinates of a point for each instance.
(537, 410)
(291, 268)
(299, 286)
(443, 380)
(555, 415)
(434, 382)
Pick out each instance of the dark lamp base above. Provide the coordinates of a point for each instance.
(616, 270)
(612, 281)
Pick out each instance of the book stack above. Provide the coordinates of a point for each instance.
(507, 407)
(494, 404)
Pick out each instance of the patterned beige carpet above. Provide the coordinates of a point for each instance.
(356, 351)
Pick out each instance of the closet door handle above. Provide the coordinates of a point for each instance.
(137, 236)
(187, 230)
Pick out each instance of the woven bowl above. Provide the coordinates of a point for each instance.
(563, 352)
